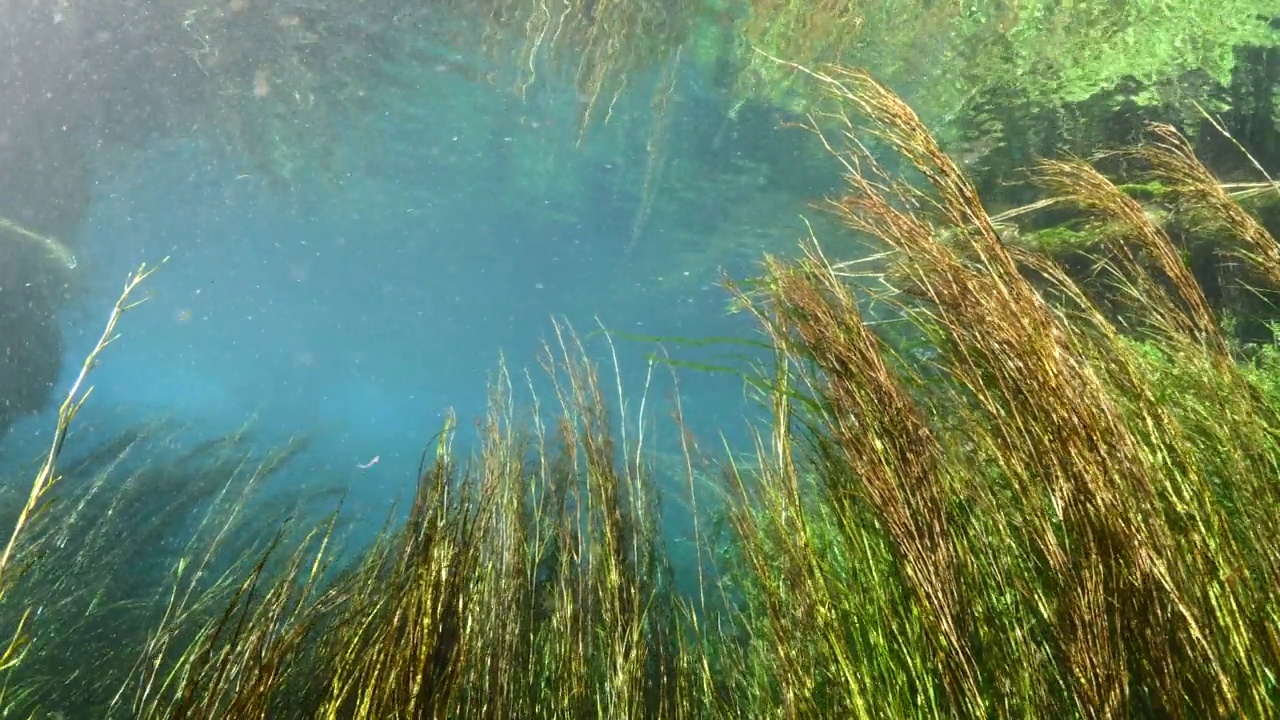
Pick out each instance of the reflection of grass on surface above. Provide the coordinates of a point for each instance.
(1049, 511)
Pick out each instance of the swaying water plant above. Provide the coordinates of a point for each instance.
(1027, 503)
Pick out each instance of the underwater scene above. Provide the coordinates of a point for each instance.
(639, 359)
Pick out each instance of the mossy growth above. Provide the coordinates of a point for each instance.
(1149, 191)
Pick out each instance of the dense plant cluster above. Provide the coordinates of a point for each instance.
(1050, 501)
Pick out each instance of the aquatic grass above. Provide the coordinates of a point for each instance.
(100, 532)
(11, 567)
(538, 568)
(231, 548)
(76, 396)
(1014, 498)
(527, 581)
(98, 563)
(1048, 523)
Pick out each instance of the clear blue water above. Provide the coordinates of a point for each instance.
(359, 312)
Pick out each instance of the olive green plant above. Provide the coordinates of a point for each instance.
(47, 476)
(1017, 500)
(528, 581)
(1039, 516)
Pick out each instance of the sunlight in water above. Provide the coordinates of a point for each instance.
(639, 359)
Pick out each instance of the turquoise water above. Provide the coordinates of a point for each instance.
(358, 311)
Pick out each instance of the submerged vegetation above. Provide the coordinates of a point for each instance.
(282, 82)
(1027, 488)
